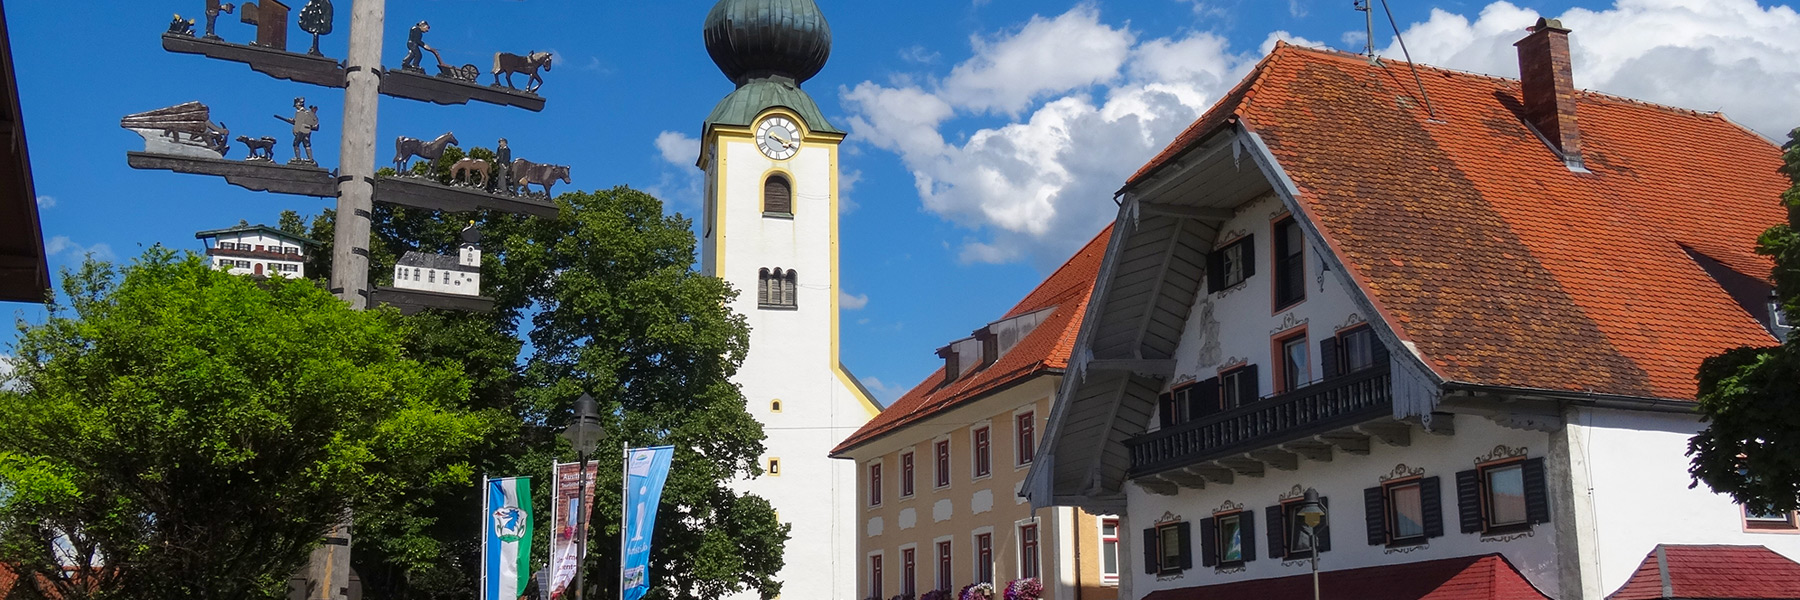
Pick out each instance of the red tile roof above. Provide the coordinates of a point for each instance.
(7, 579)
(1712, 573)
(1045, 349)
(1478, 245)
(1487, 577)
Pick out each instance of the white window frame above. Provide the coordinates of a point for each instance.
(937, 561)
(975, 451)
(1020, 412)
(1118, 542)
(975, 554)
(1019, 547)
(869, 567)
(914, 547)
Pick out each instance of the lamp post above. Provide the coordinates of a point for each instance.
(1312, 511)
(584, 433)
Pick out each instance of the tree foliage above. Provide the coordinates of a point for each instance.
(1750, 397)
(185, 433)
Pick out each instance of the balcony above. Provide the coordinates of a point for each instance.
(1309, 411)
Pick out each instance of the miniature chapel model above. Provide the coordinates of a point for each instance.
(771, 225)
(459, 275)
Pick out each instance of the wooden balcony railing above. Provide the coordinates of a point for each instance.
(1311, 410)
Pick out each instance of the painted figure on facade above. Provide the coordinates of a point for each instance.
(305, 121)
(213, 9)
(415, 47)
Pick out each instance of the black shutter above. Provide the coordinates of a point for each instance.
(1215, 271)
(1537, 493)
(1277, 528)
(1322, 541)
(1151, 553)
(1209, 542)
(1250, 389)
(1249, 243)
(1468, 500)
(1186, 532)
(1328, 357)
(1375, 510)
(1247, 521)
(1166, 406)
(1434, 507)
(1204, 398)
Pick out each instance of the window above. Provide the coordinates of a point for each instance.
(943, 463)
(774, 406)
(1238, 387)
(1231, 265)
(775, 288)
(774, 467)
(1028, 550)
(1503, 496)
(1167, 549)
(1109, 550)
(909, 571)
(1231, 540)
(778, 196)
(1770, 521)
(1351, 351)
(875, 576)
(1290, 263)
(431, 276)
(906, 475)
(1025, 437)
(1404, 512)
(984, 558)
(290, 250)
(1295, 370)
(983, 460)
(875, 484)
(943, 569)
(1288, 536)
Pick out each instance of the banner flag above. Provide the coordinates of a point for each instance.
(567, 508)
(645, 471)
(506, 543)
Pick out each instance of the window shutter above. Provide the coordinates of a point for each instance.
(777, 196)
(1328, 357)
(1249, 243)
(1209, 542)
(1249, 387)
(1204, 398)
(1215, 271)
(1468, 500)
(1150, 551)
(1186, 534)
(1375, 510)
(1247, 521)
(1537, 493)
(1323, 542)
(1434, 507)
(1166, 405)
(1277, 528)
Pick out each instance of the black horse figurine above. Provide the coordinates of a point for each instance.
(405, 148)
(509, 63)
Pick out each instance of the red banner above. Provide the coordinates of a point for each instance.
(567, 508)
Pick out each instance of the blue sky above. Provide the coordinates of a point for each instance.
(987, 136)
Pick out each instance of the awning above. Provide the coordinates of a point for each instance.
(1485, 577)
(1712, 573)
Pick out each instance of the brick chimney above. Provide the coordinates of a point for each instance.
(1549, 88)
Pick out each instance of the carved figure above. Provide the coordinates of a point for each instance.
(181, 26)
(305, 121)
(405, 148)
(213, 10)
(509, 63)
(474, 171)
(528, 172)
(180, 130)
(415, 44)
(315, 18)
(503, 175)
(466, 72)
(262, 148)
(271, 19)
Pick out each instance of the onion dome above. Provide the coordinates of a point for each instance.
(756, 39)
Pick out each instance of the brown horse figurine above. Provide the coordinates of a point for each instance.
(509, 63)
(475, 170)
(525, 173)
(405, 148)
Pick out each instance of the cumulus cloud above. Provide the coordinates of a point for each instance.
(847, 181)
(62, 246)
(884, 393)
(681, 183)
(849, 301)
(678, 149)
(1086, 103)
(46, 202)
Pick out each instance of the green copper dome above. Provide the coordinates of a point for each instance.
(756, 39)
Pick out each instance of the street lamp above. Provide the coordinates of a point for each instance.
(584, 433)
(1311, 512)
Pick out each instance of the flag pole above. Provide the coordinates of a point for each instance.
(483, 529)
(624, 511)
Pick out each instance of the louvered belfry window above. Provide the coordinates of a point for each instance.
(776, 288)
(778, 196)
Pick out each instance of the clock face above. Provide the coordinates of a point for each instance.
(778, 138)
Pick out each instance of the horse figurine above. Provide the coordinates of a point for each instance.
(405, 148)
(525, 173)
(262, 148)
(475, 170)
(509, 63)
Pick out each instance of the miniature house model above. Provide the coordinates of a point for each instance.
(256, 250)
(460, 274)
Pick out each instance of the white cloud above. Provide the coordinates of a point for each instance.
(678, 149)
(1090, 103)
(681, 182)
(920, 55)
(884, 393)
(847, 181)
(849, 301)
(46, 202)
(1297, 8)
(63, 246)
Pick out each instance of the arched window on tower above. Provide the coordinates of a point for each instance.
(778, 196)
(776, 288)
(762, 287)
(787, 289)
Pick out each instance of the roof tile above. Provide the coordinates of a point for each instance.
(1712, 573)
(1487, 577)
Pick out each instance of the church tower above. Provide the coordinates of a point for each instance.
(771, 229)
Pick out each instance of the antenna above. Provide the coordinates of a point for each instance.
(1369, 23)
(1409, 61)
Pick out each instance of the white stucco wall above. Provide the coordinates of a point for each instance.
(1641, 496)
(793, 353)
(438, 280)
(1342, 482)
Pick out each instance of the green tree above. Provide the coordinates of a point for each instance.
(1750, 397)
(197, 433)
